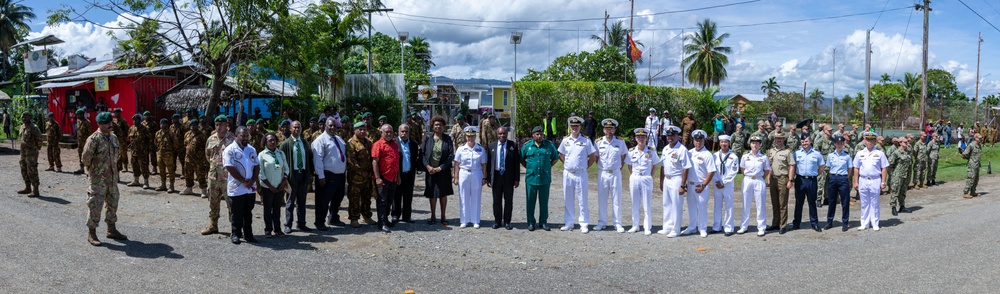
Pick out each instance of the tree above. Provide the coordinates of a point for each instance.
(617, 37)
(770, 86)
(706, 57)
(605, 64)
(816, 97)
(143, 46)
(14, 26)
(885, 78)
(422, 50)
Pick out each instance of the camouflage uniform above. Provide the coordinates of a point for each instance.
(972, 152)
(152, 128)
(83, 130)
(793, 141)
(738, 141)
(257, 139)
(194, 158)
(373, 134)
(121, 128)
(457, 134)
(920, 164)
(178, 131)
(100, 157)
(52, 135)
(31, 143)
(900, 176)
(360, 181)
(824, 146)
(416, 129)
(487, 133)
(165, 149)
(891, 169)
(217, 174)
(933, 153)
(137, 136)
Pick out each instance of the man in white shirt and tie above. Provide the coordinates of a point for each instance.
(300, 159)
(329, 165)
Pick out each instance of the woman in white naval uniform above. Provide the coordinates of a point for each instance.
(471, 161)
(641, 160)
(699, 178)
(756, 168)
(673, 174)
(728, 166)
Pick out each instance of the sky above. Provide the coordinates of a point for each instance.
(791, 40)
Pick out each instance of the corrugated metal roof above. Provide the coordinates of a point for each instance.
(118, 73)
(63, 84)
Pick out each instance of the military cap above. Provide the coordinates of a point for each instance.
(136, 116)
(804, 136)
(575, 120)
(313, 119)
(459, 116)
(251, 121)
(345, 118)
(146, 113)
(382, 117)
(672, 130)
(652, 109)
(838, 139)
(201, 116)
(413, 113)
(367, 115)
(640, 132)
(725, 137)
(193, 122)
(51, 114)
(79, 111)
(755, 138)
(698, 134)
(163, 120)
(284, 123)
(869, 135)
(259, 121)
(359, 124)
(175, 116)
(222, 118)
(609, 123)
(104, 118)
(471, 130)
(118, 110)
(780, 135)
(490, 114)
(536, 129)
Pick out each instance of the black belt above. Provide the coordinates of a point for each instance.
(807, 177)
(299, 171)
(838, 175)
(872, 178)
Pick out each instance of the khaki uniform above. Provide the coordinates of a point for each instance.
(972, 152)
(217, 174)
(100, 156)
(165, 149)
(688, 125)
(487, 133)
(31, 143)
(416, 130)
(177, 131)
(781, 162)
(457, 134)
(257, 139)
(194, 159)
(53, 133)
(120, 128)
(900, 177)
(83, 131)
(360, 179)
(137, 136)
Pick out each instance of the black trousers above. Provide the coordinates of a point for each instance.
(242, 215)
(403, 200)
(839, 190)
(297, 199)
(272, 203)
(503, 198)
(384, 201)
(805, 193)
(329, 197)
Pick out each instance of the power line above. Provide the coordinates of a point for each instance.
(901, 42)
(880, 14)
(980, 16)
(991, 6)
(573, 20)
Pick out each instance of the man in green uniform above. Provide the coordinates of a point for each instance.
(120, 128)
(823, 144)
(53, 133)
(972, 153)
(31, 142)
(360, 176)
(100, 156)
(898, 162)
(165, 150)
(765, 140)
(739, 140)
(487, 130)
(83, 130)
(457, 131)
(137, 136)
(417, 128)
(782, 168)
(177, 130)
(194, 156)
(217, 174)
(933, 154)
(894, 147)
(284, 130)
(919, 180)
(793, 141)
(347, 131)
(538, 156)
(152, 127)
(256, 135)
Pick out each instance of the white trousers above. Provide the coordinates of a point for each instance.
(754, 191)
(869, 193)
(575, 189)
(673, 209)
(470, 194)
(697, 208)
(641, 188)
(609, 183)
(723, 211)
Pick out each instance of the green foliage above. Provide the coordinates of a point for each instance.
(941, 88)
(770, 86)
(705, 107)
(14, 26)
(627, 103)
(388, 106)
(298, 108)
(144, 46)
(706, 58)
(790, 105)
(603, 65)
(386, 59)
(617, 37)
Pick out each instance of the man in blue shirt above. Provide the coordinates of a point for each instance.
(808, 163)
(839, 189)
(947, 135)
(410, 160)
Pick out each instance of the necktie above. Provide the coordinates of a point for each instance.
(339, 151)
(298, 156)
(502, 157)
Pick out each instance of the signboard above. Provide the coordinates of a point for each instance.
(101, 84)
(425, 93)
(36, 61)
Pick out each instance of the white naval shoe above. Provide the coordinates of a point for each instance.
(566, 228)
(672, 235)
(619, 229)
(760, 233)
(476, 226)
(662, 232)
(633, 229)
(598, 228)
(584, 229)
(741, 231)
(862, 228)
(687, 231)
(704, 234)
(647, 232)
(462, 226)
(876, 228)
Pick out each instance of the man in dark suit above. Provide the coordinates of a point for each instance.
(300, 165)
(503, 175)
(409, 161)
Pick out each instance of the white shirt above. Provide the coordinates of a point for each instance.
(755, 165)
(426, 115)
(664, 123)
(507, 149)
(297, 144)
(471, 158)
(610, 153)
(675, 159)
(870, 162)
(244, 159)
(702, 163)
(326, 155)
(576, 152)
(728, 166)
(642, 161)
(653, 124)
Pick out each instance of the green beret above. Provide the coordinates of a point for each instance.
(118, 110)
(201, 116)
(146, 113)
(79, 111)
(359, 124)
(104, 118)
(459, 116)
(367, 114)
(163, 120)
(192, 122)
(345, 118)
(251, 121)
(175, 116)
(222, 118)
(259, 121)
(136, 116)
(413, 113)
(313, 119)
(284, 123)
(383, 118)
(537, 129)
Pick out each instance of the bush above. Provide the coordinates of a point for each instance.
(389, 106)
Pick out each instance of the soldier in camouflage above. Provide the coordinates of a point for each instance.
(487, 130)
(824, 145)
(53, 133)
(194, 158)
(137, 136)
(217, 174)
(898, 162)
(83, 130)
(152, 127)
(933, 154)
(738, 141)
(793, 141)
(416, 128)
(100, 157)
(893, 148)
(177, 130)
(765, 140)
(347, 131)
(972, 152)
(284, 130)
(256, 136)
(360, 176)
(314, 131)
(120, 128)
(165, 151)
(920, 169)
(31, 143)
(457, 131)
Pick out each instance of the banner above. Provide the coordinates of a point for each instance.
(426, 92)
(101, 84)
(36, 61)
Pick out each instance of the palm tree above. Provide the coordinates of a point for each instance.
(885, 79)
(770, 86)
(14, 26)
(911, 86)
(617, 37)
(706, 57)
(421, 48)
(816, 97)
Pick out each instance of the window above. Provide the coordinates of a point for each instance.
(505, 97)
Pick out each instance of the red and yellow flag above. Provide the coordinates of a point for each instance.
(633, 52)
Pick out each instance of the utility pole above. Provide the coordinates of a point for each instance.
(923, 82)
(605, 43)
(682, 59)
(834, 91)
(630, 14)
(369, 12)
(868, 76)
(975, 103)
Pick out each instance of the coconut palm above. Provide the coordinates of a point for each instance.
(706, 58)
(14, 26)
(770, 86)
(816, 97)
(885, 79)
(420, 47)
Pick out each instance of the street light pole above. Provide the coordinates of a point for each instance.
(369, 12)
(515, 38)
(402, 42)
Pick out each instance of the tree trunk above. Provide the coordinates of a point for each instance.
(218, 83)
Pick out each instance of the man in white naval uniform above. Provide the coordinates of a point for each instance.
(673, 175)
(756, 168)
(641, 160)
(577, 154)
(699, 177)
(611, 154)
(869, 180)
(728, 165)
(653, 125)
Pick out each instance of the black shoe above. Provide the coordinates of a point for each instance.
(322, 227)
(304, 228)
(236, 239)
(782, 231)
(385, 229)
(816, 228)
(904, 209)
(406, 220)
(829, 225)
(794, 227)
(510, 227)
(844, 229)
(771, 228)
(819, 204)
(496, 226)
(251, 239)
(431, 221)
(531, 228)
(337, 223)
(395, 220)
(729, 234)
(390, 224)
(894, 211)
(545, 227)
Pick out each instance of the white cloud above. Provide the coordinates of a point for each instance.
(789, 67)
(646, 13)
(745, 46)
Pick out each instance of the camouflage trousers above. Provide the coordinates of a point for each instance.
(79, 154)
(122, 157)
(891, 181)
(919, 171)
(898, 190)
(932, 166)
(821, 180)
(102, 196)
(29, 168)
(139, 166)
(53, 154)
(179, 159)
(972, 180)
(151, 154)
(360, 202)
(167, 166)
(195, 169)
(217, 193)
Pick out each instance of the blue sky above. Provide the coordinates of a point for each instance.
(795, 52)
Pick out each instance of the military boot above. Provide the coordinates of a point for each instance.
(967, 196)
(162, 187)
(171, 188)
(187, 191)
(51, 168)
(145, 184)
(34, 191)
(135, 182)
(92, 237)
(59, 169)
(212, 228)
(113, 233)
(27, 189)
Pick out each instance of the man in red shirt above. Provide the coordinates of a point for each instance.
(385, 160)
